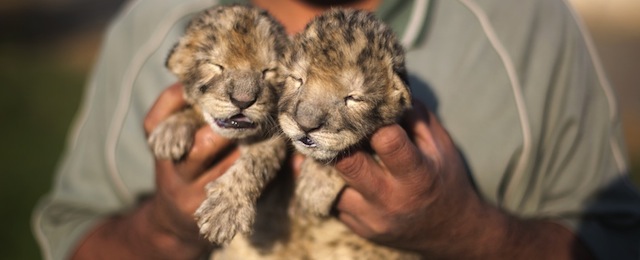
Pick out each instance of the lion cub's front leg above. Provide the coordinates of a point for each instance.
(173, 137)
(231, 199)
(317, 187)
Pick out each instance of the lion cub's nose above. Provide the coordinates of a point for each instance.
(310, 118)
(242, 101)
(307, 128)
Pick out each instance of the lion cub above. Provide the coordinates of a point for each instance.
(345, 78)
(228, 61)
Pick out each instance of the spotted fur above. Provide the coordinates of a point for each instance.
(227, 61)
(345, 78)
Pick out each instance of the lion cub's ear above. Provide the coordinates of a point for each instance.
(401, 92)
(180, 59)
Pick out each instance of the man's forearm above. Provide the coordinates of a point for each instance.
(542, 239)
(134, 236)
(489, 233)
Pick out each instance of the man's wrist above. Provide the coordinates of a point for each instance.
(542, 239)
(487, 232)
(478, 231)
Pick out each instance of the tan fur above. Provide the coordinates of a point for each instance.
(281, 232)
(228, 63)
(345, 78)
(333, 88)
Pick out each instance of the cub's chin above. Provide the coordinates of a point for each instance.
(322, 144)
(317, 152)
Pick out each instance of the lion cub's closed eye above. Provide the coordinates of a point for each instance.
(227, 61)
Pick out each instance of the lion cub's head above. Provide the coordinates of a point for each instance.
(228, 62)
(345, 77)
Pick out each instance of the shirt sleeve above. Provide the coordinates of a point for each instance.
(578, 175)
(107, 165)
(576, 171)
(520, 89)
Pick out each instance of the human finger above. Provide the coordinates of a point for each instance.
(167, 179)
(188, 195)
(354, 223)
(351, 201)
(361, 172)
(358, 213)
(175, 200)
(396, 151)
(432, 139)
(206, 149)
(170, 101)
(218, 169)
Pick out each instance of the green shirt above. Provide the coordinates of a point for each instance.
(516, 83)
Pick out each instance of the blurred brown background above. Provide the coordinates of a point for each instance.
(47, 48)
(615, 29)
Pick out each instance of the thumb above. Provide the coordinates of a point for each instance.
(397, 152)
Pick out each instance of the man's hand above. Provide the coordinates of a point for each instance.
(417, 185)
(417, 196)
(163, 227)
(180, 185)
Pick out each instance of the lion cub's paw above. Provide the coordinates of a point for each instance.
(224, 213)
(173, 137)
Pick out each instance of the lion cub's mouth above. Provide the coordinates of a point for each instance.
(238, 121)
(307, 142)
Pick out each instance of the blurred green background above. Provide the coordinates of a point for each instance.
(47, 48)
